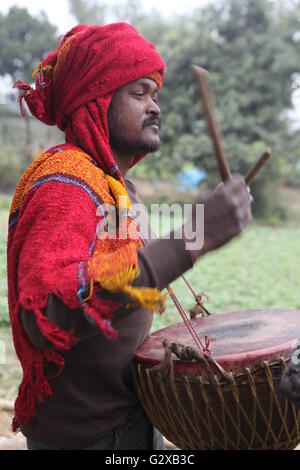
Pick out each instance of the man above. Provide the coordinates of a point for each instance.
(80, 300)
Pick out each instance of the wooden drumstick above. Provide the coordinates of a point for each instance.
(253, 172)
(205, 90)
(202, 79)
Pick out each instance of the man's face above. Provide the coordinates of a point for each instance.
(134, 118)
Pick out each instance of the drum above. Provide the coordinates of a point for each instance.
(228, 401)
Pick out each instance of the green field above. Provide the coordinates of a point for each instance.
(259, 269)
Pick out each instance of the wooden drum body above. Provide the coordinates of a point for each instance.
(196, 408)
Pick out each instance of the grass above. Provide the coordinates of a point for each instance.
(5, 202)
(10, 368)
(3, 284)
(259, 269)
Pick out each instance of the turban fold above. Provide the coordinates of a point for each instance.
(76, 82)
(56, 239)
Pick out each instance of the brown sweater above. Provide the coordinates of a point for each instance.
(94, 393)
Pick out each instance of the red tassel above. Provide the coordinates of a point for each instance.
(101, 311)
(22, 86)
(57, 359)
(61, 339)
(34, 386)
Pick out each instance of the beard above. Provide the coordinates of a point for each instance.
(124, 140)
(122, 144)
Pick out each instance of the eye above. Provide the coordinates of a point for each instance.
(138, 93)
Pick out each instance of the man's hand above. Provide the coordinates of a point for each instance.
(227, 211)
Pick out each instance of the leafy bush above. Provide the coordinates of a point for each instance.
(267, 202)
(11, 168)
(5, 202)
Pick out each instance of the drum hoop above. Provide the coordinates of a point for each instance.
(256, 357)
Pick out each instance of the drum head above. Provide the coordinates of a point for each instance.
(236, 339)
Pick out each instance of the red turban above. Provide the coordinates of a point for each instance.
(76, 82)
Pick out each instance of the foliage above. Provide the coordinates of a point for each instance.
(99, 11)
(25, 40)
(88, 11)
(12, 165)
(292, 162)
(241, 44)
(4, 318)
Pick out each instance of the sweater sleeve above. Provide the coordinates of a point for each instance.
(161, 262)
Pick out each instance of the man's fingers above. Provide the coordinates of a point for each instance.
(250, 195)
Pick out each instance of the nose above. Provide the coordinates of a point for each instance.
(153, 107)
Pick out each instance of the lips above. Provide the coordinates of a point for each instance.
(153, 123)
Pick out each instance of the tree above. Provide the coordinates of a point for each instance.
(88, 11)
(129, 10)
(25, 40)
(252, 55)
(97, 11)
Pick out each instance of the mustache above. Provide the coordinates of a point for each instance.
(152, 120)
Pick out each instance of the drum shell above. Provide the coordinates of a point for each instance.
(197, 410)
(251, 414)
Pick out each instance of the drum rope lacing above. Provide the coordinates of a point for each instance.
(204, 352)
(209, 429)
(205, 349)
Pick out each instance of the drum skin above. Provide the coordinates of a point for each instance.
(196, 409)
